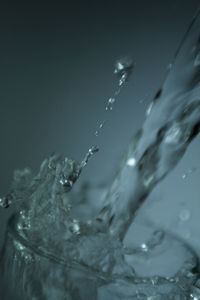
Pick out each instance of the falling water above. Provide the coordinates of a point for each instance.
(47, 229)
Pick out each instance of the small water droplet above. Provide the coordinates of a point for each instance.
(97, 132)
(144, 247)
(110, 103)
(89, 154)
(189, 172)
(66, 182)
(123, 69)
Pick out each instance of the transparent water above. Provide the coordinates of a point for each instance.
(66, 248)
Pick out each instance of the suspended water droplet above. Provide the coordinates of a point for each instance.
(66, 182)
(184, 176)
(189, 172)
(97, 132)
(123, 69)
(144, 247)
(110, 103)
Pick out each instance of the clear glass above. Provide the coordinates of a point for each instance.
(164, 269)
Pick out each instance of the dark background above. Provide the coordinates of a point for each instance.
(56, 74)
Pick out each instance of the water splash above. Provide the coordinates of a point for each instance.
(171, 124)
(123, 70)
(89, 154)
(46, 225)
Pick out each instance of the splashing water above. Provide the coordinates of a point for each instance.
(89, 154)
(89, 248)
(123, 70)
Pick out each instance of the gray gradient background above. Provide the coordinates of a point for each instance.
(56, 74)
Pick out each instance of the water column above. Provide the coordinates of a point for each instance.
(172, 121)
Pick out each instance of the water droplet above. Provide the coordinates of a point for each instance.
(110, 103)
(97, 132)
(66, 182)
(89, 154)
(189, 172)
(144, 247)
(123, 69)
(131, 162)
